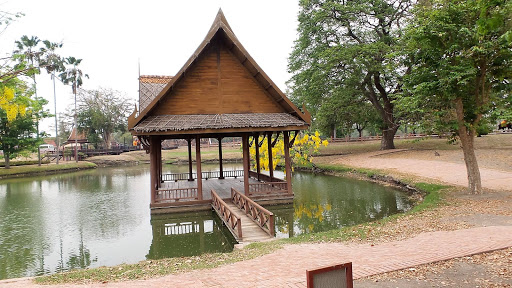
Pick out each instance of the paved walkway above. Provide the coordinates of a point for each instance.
(287, 267)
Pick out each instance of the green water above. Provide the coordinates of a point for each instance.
(101, 218)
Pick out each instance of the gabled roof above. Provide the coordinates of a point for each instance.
(220, 25)
(80, 138)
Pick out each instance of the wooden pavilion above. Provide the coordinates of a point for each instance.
(219, 92)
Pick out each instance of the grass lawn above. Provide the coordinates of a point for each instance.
(18, 171)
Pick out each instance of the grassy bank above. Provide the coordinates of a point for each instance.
(32, 170)
(154, 268)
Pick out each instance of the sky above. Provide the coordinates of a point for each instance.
(113, 37)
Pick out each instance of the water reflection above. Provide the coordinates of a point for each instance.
(188, 235)
(78, 220)
(325, 202)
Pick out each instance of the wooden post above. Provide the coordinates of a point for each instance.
(190, 176)
(159, 151)
(287, 161)
(270, 161)
(221, 176)
(153, 166)
(198, 169)
(258, 168)
(245, 147)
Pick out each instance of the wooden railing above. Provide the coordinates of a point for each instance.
(205, 175)
(233, 222)
(372, 138)
(258, 214)
(267, 188)
(176, 176)
(264, 177)
(176, 194)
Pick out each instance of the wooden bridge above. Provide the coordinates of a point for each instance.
(247, 220)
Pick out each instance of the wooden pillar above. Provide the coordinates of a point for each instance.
(270, 160)
(258, 167)
(245, 147)
(287, 162)
(153, 166)
(159, 151)
(190, 176)
(198, 169)
(221, 176)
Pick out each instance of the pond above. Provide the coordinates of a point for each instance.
(101, 217)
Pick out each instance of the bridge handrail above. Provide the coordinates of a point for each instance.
(261, 216)
(228, 216)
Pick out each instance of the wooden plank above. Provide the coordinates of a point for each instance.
(217, 83)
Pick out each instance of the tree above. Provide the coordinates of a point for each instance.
(462, 52)
(351, 46)
(74, 76)
(301, 153)
(17, 113)
(102, 112)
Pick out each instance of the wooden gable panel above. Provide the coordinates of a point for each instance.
(217, 83)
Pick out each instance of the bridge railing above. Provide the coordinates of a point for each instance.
(228, 216)
(258, 214)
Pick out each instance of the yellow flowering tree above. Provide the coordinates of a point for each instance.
(17, 125)
(302, 152)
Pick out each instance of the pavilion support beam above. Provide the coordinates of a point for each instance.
(154, 147)
(287, 162)
(258, 167)
(159, 151)
(246, 160)
(198, 169)
(189, 144)
(270, 160)
(221, 173)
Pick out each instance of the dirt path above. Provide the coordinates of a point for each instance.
(447, 172)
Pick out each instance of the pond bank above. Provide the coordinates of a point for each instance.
(45, 169)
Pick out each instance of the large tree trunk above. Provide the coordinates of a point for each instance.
(388, 138)
(467, 137)
(7, 161)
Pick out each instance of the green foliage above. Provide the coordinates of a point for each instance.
(17, 127)
(461, 53)
(345, 58)
(101, 113)
(72, 74)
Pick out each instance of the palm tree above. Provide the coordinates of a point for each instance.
(52, 62)
(73, 75)
(27, 47)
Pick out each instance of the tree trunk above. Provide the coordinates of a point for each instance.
(7, 161)
(474, 179)
(388, 138)
(360, 132)
(467, 137)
